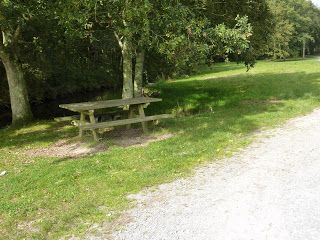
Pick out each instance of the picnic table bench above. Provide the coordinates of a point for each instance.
(88, 109)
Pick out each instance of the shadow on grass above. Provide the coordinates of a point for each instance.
(201, 96)
(34, 134)
(298, 59)
(221, 102)
(221, 67)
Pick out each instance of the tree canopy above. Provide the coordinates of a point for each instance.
(295, 29)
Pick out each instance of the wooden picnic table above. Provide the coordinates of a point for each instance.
(87, 110)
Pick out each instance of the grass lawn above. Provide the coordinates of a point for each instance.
(217, 112)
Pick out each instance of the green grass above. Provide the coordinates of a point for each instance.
(218, 110)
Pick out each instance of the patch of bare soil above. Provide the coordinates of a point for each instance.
(28, 226)
(64, 149)
(134, 138)
(123, 138)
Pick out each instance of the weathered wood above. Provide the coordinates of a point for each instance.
(90, 126)
(87, 110)
(76, 118)
(142, 115)
(131, 114)
(78, 107)
(82, 122)
(93, 121)
(66, 119)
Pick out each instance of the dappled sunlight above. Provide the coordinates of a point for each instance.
(43, 133)
(283, 86)
(32, 129)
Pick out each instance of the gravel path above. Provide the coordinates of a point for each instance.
(271, 190)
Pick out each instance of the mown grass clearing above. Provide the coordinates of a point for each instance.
(50, 197)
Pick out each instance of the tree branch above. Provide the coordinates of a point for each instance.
(1, 42)
(16, 34)
(119, 39)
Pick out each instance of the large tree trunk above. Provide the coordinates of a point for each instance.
(127, 91)
(20, 106)
(138, 79)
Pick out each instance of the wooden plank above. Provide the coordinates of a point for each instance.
(142, 115)
(124, 122)
(78, 107)
(77, 117)
(66, 119)
(93, 121)
(81, 122)
(131, 114)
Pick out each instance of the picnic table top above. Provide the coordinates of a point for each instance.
(86, 106)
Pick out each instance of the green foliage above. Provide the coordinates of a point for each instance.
(187, 37)
(295, 22)
(283, 30)
(224, 41)
(56, 62)
(259, 16)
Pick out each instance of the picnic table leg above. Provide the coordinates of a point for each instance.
(93, 120)
(82, 122)
(131, 115)
(142, 115)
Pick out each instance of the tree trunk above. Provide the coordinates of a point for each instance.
(20, 106)
(138, 79)
(304, 48)
(127, 91)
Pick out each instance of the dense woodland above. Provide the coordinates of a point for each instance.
(54, 49)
